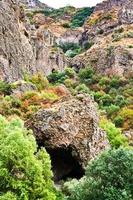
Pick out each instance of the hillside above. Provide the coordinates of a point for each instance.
(66, 101)
(110, 31)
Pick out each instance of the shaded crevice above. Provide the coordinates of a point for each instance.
(64, 165)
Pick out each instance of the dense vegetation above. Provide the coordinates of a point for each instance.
(109, 177)
(24, 172)
(80, 16)
(73, 49)
(77, 16)
(60, 12)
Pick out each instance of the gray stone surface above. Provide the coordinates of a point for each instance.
(70, 123)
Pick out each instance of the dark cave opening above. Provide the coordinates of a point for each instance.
(64, 165)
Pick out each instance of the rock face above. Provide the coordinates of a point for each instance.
(16, 53)
(110, 29)
(108, 60)
(33, 4)
(108, 4)
(71, 36)
(22, 49)
(69, 129)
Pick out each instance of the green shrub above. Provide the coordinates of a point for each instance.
(104, 81)
(50, 96)
(120, 101)
(80, 16)
(72, 53)
(97, 96)
(16, 102)
(8, 196)
(130, 34)
(82, 88)
(115, 82)
(86, 74)
(88, 45)
(5, 88)
(127, 114)
(57, 77)
(109, 177)
(119, 30)
(106, 100)
(115, 136)
(112, 110)
(113, 92)
(119, 121)
(69, 83)
(69, 46)
(29, 94)
(100, 31)
(66, 25)
(40, 81)
(70, 72)
(24, 172)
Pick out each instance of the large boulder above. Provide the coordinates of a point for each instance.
(70, 132)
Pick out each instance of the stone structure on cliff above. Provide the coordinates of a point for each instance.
(69, 131)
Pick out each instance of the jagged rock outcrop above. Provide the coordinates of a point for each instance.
(22, 49)
(70, 128)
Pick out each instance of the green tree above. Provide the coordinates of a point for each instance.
(5, 88)
(25, 174)
(82, 88)
(115, 136)
(80, 16)
(109, 177)
(106, 100)
(57, 77)
(86, 74)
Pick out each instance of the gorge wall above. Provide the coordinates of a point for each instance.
(21, 50)
(110, 30)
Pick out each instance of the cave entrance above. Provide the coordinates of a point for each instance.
(64, 165)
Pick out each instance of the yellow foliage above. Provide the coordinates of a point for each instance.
(127, 114)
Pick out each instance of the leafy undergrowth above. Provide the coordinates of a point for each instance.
(26, 103)
(109, 177)
(24, 172)
(27, 174)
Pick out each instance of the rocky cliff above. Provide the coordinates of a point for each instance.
(16, 53)
(110, 29)
(23, 49)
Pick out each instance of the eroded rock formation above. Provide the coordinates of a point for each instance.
(69, 131)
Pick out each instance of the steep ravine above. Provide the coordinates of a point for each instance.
(68, 125)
